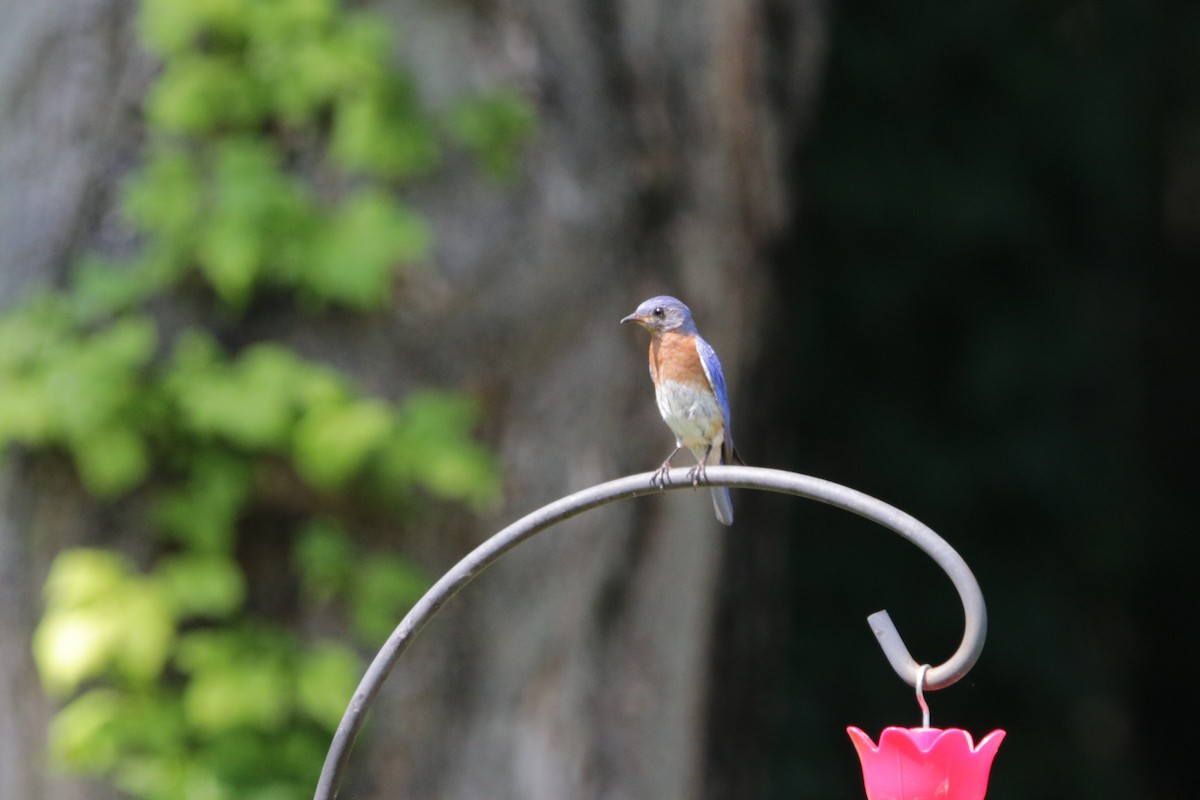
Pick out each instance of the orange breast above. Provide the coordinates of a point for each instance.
(673, 357)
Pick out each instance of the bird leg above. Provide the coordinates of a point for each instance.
(698, 472)
(659, 479)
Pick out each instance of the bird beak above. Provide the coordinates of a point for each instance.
(631, 318)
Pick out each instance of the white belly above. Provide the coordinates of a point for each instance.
(694, 416)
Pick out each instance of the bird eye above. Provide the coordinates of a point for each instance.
(658, 312)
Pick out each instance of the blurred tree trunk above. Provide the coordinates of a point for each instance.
(580, 665)
(71, 76)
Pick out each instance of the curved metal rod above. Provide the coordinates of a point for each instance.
(773, 480)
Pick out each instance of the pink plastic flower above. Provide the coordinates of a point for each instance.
(925, 763)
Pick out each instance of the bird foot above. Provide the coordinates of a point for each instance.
(660, 478)
(697, 474)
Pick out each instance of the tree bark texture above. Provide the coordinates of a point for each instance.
(578, 666)
(71, 77)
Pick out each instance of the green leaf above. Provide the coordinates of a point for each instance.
(324, 557)
(381, 130)
(111, 460)
(295, 19)
(92, 385)
(301, 754)
(326, 681)
(387, 586)
(170, 776)
(70, 647)
(91, 391)
(173, 28)
(431, 445)
(96, 732)
(308, 55)
(259, 221)
(84, 576)
(199, 94)
(231, 256)
(146, 631)
(249, 402)
(369, 237)
(202, 585)
(103, 287)
(203, 512)
(164, 198)
(84, 735)
(100, 618)
(493, 127)
(34, 335)
(26, 414)
(32, 330)
(254, 691)
(332, 443)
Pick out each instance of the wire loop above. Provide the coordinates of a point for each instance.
(921, 695)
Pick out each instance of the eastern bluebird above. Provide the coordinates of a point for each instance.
(690, 390)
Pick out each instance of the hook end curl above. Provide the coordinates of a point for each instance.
(922, 675)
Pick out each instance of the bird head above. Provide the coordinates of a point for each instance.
(662, 314)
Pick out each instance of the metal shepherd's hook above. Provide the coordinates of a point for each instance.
(927, 677)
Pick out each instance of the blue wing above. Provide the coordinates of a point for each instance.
(716, 378)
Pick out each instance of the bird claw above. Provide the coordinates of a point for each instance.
(697, 474)
(660, 479)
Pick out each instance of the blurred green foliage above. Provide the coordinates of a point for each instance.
(277, 131)
(491, 127)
